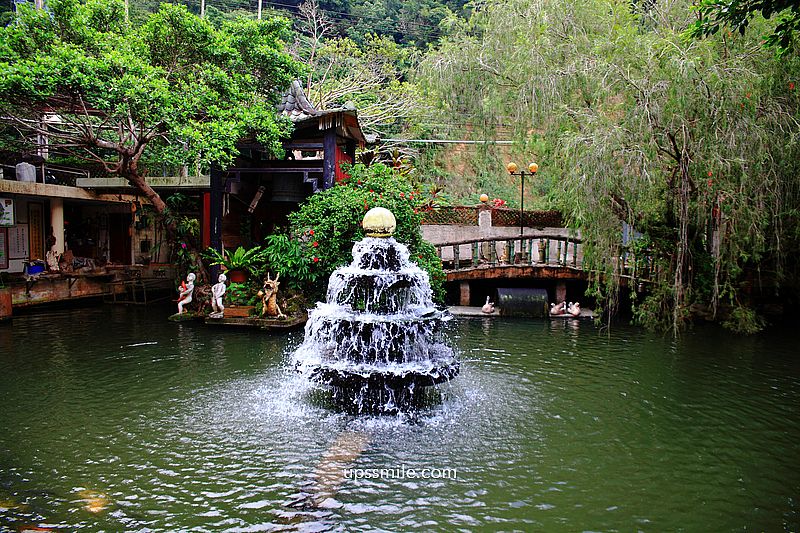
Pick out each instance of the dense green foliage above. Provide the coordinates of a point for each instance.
(736, 14)
(693, 143)
(175, 90)
(358, 51)
(284, 257)
(250, 260)
(241, 293)
(329, 223)
(414, 22)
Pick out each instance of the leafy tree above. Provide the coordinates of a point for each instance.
(693, 143)
(175, 91)
(737, 14)
(369, 74)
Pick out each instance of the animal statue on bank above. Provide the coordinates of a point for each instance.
(488, 307)
(269, 298)
(52, 258)
(185, 292)
(217, 292)
(558, 309)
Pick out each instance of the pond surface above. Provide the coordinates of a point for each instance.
(114, 419)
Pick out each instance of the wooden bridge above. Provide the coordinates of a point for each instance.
(535, 256)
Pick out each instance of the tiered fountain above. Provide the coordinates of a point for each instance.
(376, 341)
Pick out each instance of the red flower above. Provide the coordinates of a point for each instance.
(315, 244)
(710, 173)
(402, 195)
(311, 232)
(371, 190)
(316, 259)
(791, 86)
(710, 183)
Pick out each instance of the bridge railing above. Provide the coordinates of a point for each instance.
(534, 250)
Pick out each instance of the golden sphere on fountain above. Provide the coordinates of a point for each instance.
(379, 222)
(484, 197)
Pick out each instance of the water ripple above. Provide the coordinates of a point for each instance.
(551, 425)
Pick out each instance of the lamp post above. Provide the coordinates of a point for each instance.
(512, 169)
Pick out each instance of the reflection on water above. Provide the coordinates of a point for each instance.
(115, 419)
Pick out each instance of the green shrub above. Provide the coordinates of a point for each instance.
(744, 320)
(241, 294)
(285, 257)
(251, 260)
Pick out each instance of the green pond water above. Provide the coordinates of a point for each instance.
(115, 419)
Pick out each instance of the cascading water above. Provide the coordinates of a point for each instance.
(376, 341)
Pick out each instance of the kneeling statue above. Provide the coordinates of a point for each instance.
(185, 292)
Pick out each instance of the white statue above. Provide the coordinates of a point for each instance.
(574, 309)
(217, 292)
(558, 309)
(185, 292)
(488, 307)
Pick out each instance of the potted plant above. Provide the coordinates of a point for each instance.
(238, 264)
(239, 300)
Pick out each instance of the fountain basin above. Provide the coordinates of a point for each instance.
(376, 343)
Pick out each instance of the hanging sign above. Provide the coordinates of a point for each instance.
(18, 242)
(6, 212)
(36, 230)
(3, 248)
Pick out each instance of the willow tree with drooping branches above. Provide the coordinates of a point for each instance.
(693, 143)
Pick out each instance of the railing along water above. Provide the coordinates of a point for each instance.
(532, 250)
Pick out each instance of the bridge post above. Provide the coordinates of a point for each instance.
(485, 229)
(464, 298)
(561, 291)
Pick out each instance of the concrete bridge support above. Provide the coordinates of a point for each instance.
(464, 298)
(561, 291)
